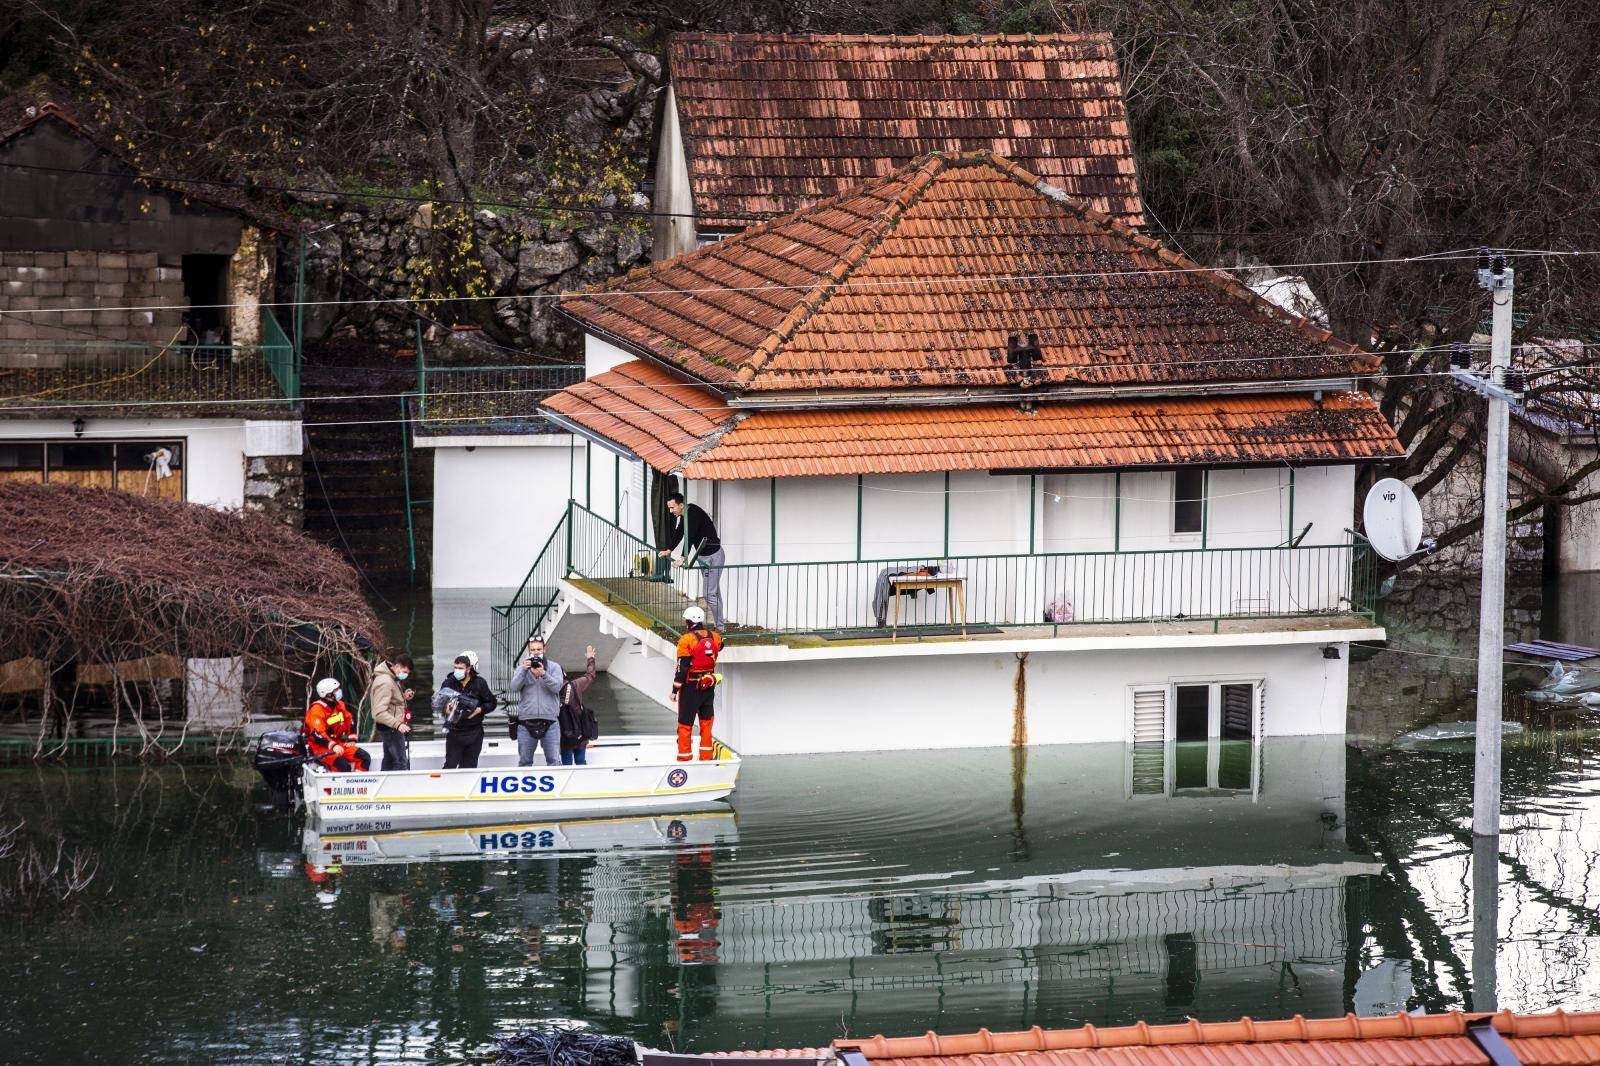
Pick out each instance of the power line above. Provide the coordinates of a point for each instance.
(253, 186)
(1244, 387)
(852, 284)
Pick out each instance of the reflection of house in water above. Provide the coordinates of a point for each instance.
(945, 892)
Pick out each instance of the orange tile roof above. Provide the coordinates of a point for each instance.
(650, 411)
(772, 123)
(1556, 1039)
(919, 279)
(1088, 434)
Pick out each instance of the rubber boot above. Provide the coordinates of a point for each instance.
(708, 747)
(684, 733)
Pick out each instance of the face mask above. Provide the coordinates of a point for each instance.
(338, 694)
(401, 675)
(459, 673)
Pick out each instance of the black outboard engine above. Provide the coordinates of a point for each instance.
(280, 753)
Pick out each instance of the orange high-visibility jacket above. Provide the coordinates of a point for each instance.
(328, 724)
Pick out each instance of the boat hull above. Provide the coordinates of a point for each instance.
(624, 775)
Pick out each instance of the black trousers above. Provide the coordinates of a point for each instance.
(695, 702)
(461, 748)
(396, 755)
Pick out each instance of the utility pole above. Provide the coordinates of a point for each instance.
(1495, 276)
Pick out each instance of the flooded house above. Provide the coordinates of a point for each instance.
(138, 347)
(988, 466)
(751, 127)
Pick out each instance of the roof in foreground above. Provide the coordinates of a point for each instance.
(1556, 1039)
(678, 426)
(773, 122)
(919, 280)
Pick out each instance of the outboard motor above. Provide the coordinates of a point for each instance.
(280, 753)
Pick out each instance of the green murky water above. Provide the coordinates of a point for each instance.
(848, 895)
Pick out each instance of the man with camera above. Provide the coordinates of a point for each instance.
(536, 686)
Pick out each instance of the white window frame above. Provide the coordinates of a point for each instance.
(1169, 692)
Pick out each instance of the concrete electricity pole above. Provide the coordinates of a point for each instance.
(1495, 276)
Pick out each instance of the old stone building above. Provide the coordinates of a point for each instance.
(137, 350)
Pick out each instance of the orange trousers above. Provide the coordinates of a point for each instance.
(707, 744)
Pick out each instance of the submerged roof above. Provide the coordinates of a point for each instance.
(919, 279)
(773, 122)
(677, 426)
(1556, 1039)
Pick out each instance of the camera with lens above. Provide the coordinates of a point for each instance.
(535, 662)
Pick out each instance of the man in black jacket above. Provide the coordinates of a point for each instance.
(693, 528)
(474, 699)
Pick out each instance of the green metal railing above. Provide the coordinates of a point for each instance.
(470, 397)
(283, 358)
(109, 373)
(512, 624)
(771, 601)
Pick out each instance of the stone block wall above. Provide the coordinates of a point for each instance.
(72, 285)
(1458, 498)
(274, 485)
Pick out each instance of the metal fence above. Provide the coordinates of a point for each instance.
(110, 372)
(472, 397)
(1045, 592)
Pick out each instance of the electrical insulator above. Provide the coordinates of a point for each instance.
(1516, 381)
(1460, 358)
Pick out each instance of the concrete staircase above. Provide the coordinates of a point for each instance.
(355, 473)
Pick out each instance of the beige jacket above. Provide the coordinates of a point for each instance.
(388, 698)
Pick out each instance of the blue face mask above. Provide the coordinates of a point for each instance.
(460, 674)
(401, 675)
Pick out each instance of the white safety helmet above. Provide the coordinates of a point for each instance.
(694, 615)
(327, 687)
(472, 659)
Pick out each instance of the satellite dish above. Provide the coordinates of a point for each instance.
(1393, 519)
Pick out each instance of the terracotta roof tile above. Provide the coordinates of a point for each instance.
(772, 123)
(1083, 435)
(918, 279)
(651, 412)
(1555, 1039)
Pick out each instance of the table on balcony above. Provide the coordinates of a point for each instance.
(955, 592)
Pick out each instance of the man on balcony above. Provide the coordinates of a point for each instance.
(693, 528)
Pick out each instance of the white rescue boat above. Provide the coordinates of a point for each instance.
(623, 775)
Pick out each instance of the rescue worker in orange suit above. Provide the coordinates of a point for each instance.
(694, 685)
(330, 731)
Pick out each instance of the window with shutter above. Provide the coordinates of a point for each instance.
(1149, 725)
(1147, 747)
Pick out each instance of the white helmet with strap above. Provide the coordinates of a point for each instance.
(327, 687)
(694, 615)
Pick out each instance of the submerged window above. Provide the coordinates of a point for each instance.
(1193, 716)
(1188, 500)
(1194, 738)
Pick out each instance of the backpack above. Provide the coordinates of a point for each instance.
(577, 721)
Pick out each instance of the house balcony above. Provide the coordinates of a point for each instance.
(39, 378)
(1218, 590)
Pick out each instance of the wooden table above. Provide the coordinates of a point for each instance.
(955, 592)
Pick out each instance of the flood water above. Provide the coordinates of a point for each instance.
(846, 895)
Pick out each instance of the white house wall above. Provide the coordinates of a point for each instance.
(214, 450)
(674, 230)
(494, 506)
(1059, 543)
(600, 356)
(895, 702)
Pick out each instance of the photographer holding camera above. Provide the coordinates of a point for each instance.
(537, 688)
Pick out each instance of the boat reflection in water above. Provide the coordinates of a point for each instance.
(523, 840)
(901, 892)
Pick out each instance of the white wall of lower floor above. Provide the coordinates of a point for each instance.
(215, 449)
(956, 701)
(495, 502)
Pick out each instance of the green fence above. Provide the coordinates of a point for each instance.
(102, 373)
(472, 397)
(1045, 593)
(283, 360)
